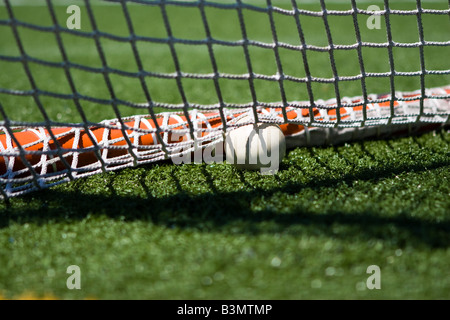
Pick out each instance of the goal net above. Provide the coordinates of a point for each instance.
(93, 86)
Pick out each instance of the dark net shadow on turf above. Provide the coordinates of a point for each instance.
(222, 211)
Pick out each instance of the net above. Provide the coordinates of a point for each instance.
(176, 76)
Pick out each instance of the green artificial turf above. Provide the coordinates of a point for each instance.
(165, 231)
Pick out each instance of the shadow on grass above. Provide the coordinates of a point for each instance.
(232, 211)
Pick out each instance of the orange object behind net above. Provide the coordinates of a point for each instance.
(73, 148)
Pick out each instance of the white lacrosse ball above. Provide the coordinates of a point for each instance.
(259, 146)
